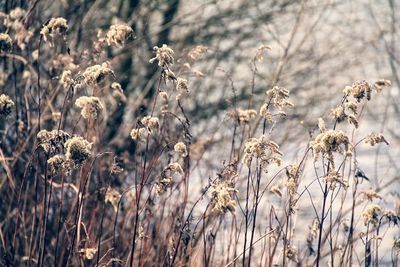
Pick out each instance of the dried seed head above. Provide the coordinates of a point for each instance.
(265, 150)
(66, 79)
(371, 214)
(379, 84)
(370, 195)
(175, 167)
(163, 184)
(265, 113)
(391, 216)
(95, 74)
(152, 123)
(279, 97)
(138, 134)
(52, 141)
(89, 253)
(196, 52)
(291, 186)
(164, 56)
(291, 253)
(5, 42)
(78, 150)
(333, 178)
(56, 26)
(113, 197)
(359, 90)
(182, 85)
(91, 106)
(222, 196)
(180, 148)
(118, 92)
(338, 114)
(328, 142)
(6, 105)
(117, 34)
(375, 138)
(245, 116)
(56, 163)
(17, 13)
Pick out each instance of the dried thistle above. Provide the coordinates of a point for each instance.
(379, 84)
(95, 74)
(174, 167)
(118, 92)
(91, 106)
(265, 150)
(245, 116)
(291, 186)
(89, 253)
(222, 196)
(138, 134)
(52, 141)
(117, 34)
(6, 105)
(66, 79)
(164, 56)
(330, 141)
(265, 113)
(57, 163)
(56, 26)
(182, 85)
(152, 123)
(78, 150)
(279, 97)
(180, 148)
(359, 90)
(371, 214)
(370, 195)
(375, 138)
(391, 217)
(333, 178)
(163, 184)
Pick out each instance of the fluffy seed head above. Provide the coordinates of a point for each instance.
(138, 134)
(56, 26)
(222, 196)
(78, 150)
(52, 141)
(117, 34)
(265, 150)
(375, 138)
(180, 148)
(164, 56)
(279, 97)
(371, 214)
(152, 123)
(95, 74)
(91, 106)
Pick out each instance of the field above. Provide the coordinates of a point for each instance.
(199, 133)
